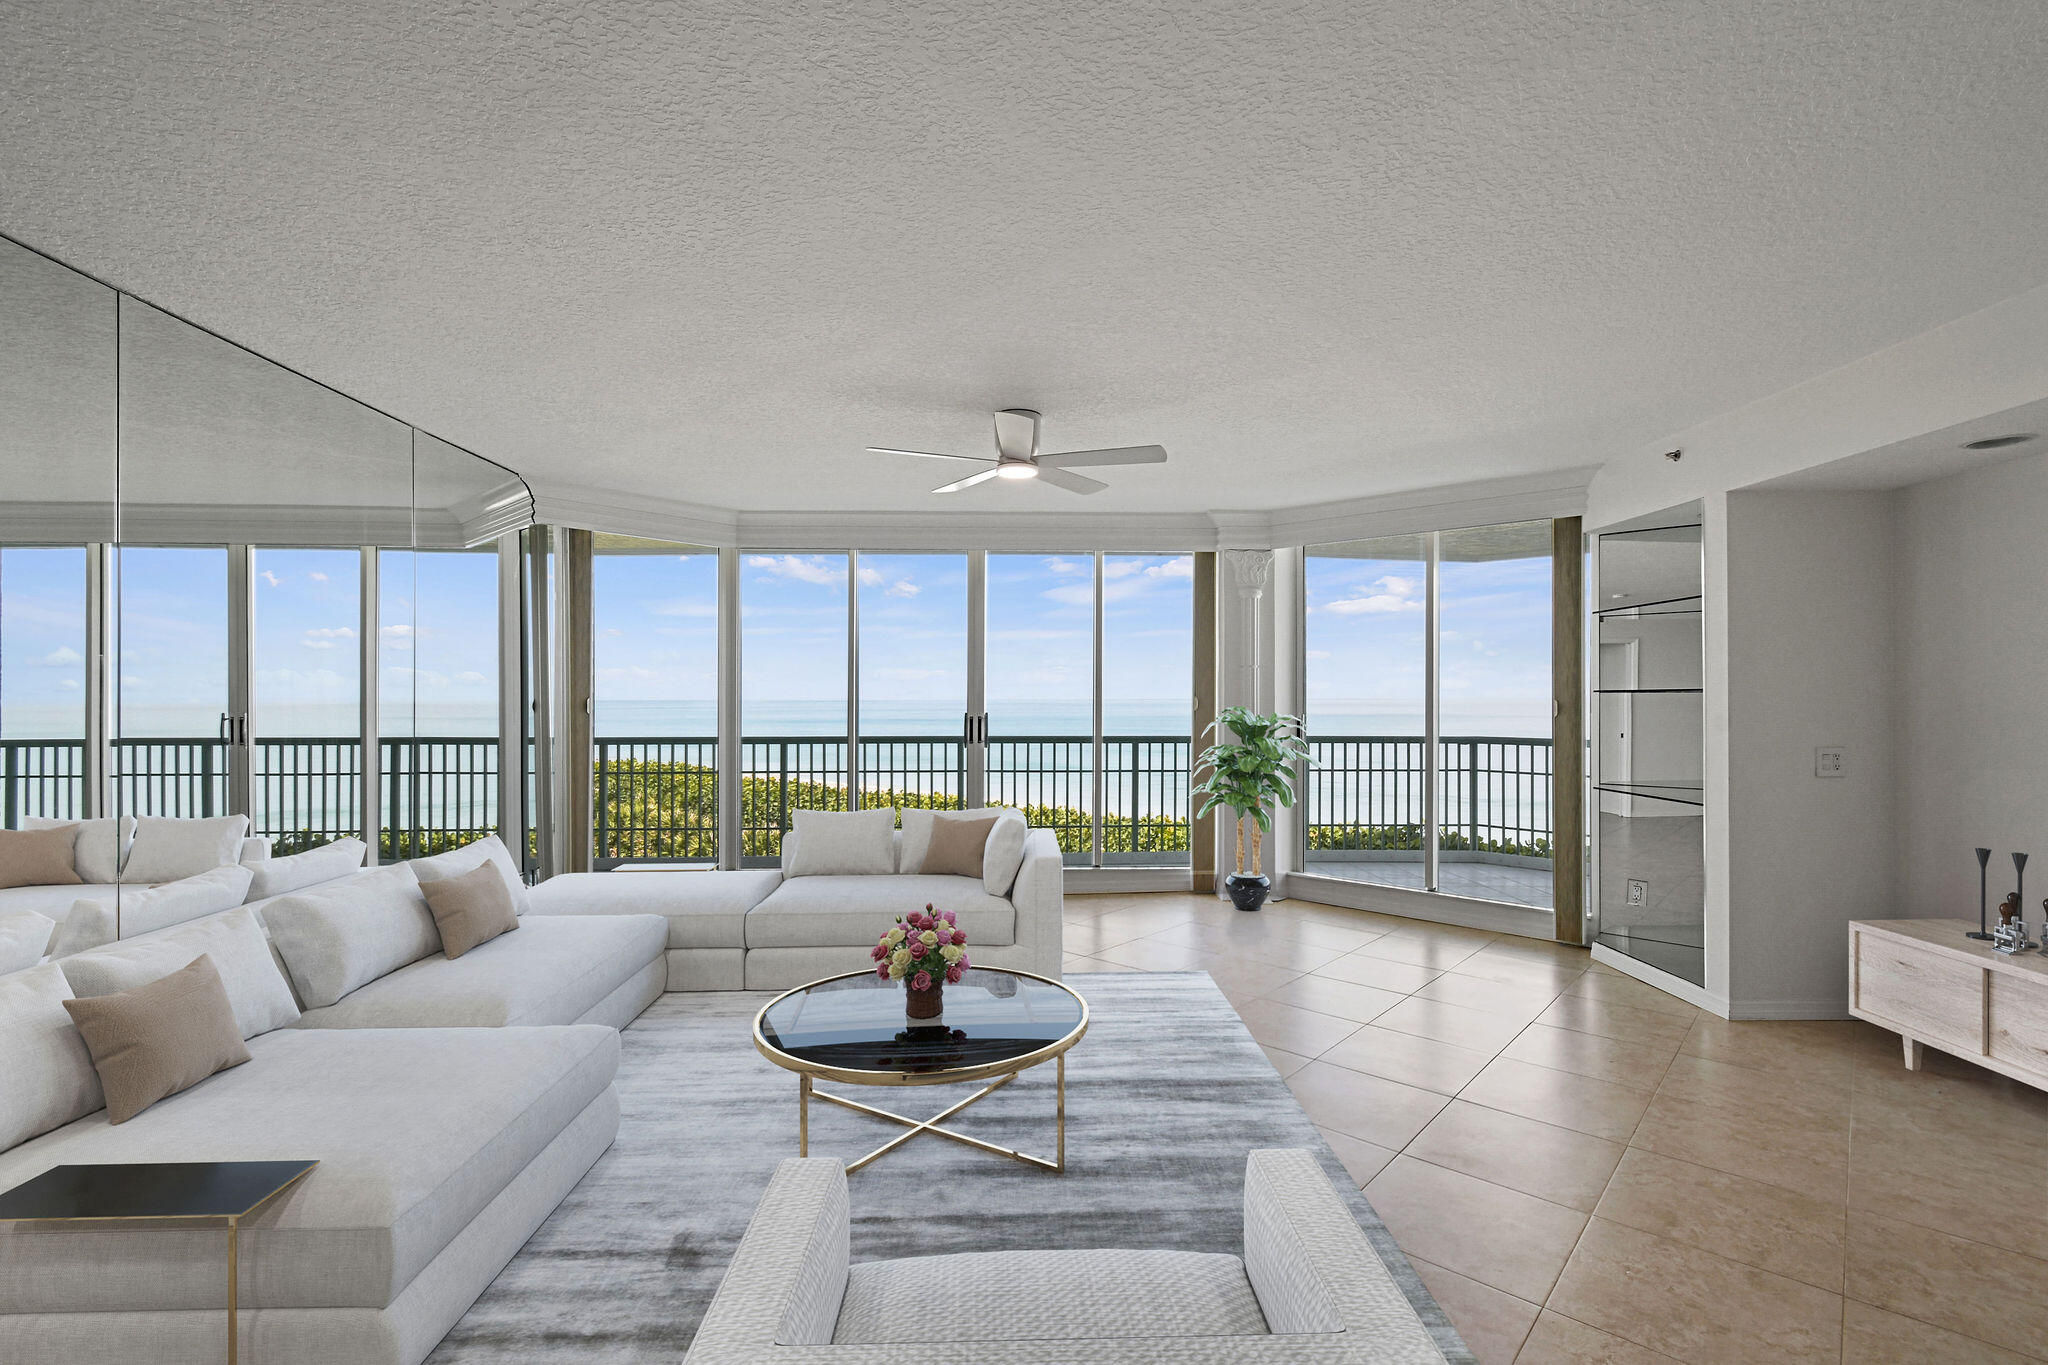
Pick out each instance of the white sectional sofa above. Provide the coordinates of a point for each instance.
(760, 929)
(452, 1103)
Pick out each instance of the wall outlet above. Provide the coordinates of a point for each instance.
(1830, 762)
(1638, 893)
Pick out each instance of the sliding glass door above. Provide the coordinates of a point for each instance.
(654, 682)
(794, 703)
(43, 682)
(305, 712)
(1040, 691)
(177, 715)
(913, 679)
(1427, 691)
(1148, 642)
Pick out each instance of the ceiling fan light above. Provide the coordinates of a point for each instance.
(1016, 469)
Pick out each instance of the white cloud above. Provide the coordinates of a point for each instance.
(68, 684)
(63, 656)
(471, 676)
(823, 570)
(1319, 654)
(870, 577)
(1382, 596)
(316, 575)
(326, 637)
(1066, 567)
(396, 637)
(903, 587)
(1183, 567)
(272, 579)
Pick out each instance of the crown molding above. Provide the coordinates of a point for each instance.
(1482, 502)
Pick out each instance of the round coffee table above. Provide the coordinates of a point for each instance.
(853, 1029)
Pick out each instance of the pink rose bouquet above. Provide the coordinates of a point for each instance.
(922, 949)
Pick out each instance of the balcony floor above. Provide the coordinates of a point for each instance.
(1482, 881)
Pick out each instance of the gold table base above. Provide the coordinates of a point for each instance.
(805, 1090)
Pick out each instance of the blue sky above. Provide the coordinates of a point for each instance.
(1365, 645)
(657, 642)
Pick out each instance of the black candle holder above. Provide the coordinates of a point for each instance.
(1983, 892)
(2019, 869)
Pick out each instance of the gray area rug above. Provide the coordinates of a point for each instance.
(1165, 1096)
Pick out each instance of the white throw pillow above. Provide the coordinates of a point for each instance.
(169, 849)
(281, 876)
(98, 856)
(146, 909)
(841, 843)
(456, 861)
(916, 840)
(1004, 852)
(23, 936)
(337, 937)
(235, 942)
(46, 1075)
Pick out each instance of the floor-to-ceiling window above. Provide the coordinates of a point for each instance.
(913, 678)
(793, 692)
(1147, 715)
(1427, 682)
(171, 674)
(43, 677)
(305, 713)
(654, 681)
(437, 711)
(1040, 691)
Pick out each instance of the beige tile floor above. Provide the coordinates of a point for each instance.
(1586, 1169)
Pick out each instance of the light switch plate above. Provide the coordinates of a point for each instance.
(1830, 762)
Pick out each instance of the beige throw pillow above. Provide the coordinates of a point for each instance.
(470, 908)
(956, 847)
(38, 857)
(158, 1039)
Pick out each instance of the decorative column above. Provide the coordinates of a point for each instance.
(1250, 572)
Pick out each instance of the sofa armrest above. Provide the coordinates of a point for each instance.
(1311, 1266)
(788, 1274)
(254, 851)
(1039, 897)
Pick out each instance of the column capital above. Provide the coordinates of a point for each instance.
(1250, 570)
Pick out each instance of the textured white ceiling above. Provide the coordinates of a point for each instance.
(1318, 250)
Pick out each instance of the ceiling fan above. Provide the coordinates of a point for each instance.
(1017, 457)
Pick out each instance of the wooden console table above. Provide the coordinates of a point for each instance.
(1926, 982)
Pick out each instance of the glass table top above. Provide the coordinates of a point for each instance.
(857, 1023)
(177, 1189)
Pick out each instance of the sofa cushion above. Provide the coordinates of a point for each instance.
(457, 861)
(841, 843)
(54, 902)
(170, 848)
(346, 934)
(38, 857)
(24, 936)
(416, 1132)
(164, 1036)
(705, 909)
(1047, 1296)
(957, 846)
(145, 909)
(46, 1075)
(262, 1000)
(296, 872)
(1004, 854)
(551, 972)
(818, 912)
(98, 853)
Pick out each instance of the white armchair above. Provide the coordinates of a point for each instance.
(1309, 1288)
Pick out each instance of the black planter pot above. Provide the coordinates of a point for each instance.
(1247, 893)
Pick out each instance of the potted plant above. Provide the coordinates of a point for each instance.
(1250, 777)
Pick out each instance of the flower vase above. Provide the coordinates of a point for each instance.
(925, 1004)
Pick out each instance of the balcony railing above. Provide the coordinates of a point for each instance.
(657, 796)
(1364, 795)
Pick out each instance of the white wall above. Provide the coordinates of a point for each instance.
(1810, 662)
(1973, 695)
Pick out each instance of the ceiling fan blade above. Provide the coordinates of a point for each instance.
(972, 479)
(923, 454)
(1073, 483)
(1073, 459)
(1017, 433)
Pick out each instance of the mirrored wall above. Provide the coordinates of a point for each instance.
(228, 590)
